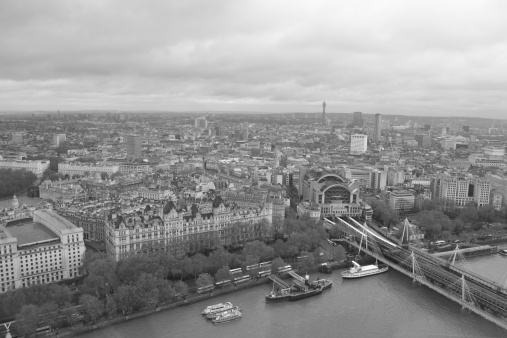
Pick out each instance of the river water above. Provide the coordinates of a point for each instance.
(385, 305)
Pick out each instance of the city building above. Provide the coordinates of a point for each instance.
(37, 167)
(181, 230)
(378, 179)
(498, 184)
(496, 199)
(134, 168)
(17, 138)
(423, 140)
(335, 195)
(43, 249)
(201, 122)
(358, 144)
(86, 169)
(58, 139)
(378, 128)
(311, 209)
(324, 120)
(61, 190)
(461, 190)
(358, 119)
(134, 146)
(401, 200)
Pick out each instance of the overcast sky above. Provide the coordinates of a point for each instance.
(392, 57)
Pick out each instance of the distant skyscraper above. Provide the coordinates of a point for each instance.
(134, 146)
(378, 127)
(256, 175)
(244, 135)
(423, 140)
(277, 158)
(358, 144)
(237, 134)
(217, 131)
(201, 122)
(358, 119)
(324, 113)
(244, 132)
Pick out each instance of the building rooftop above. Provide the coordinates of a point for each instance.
(56, 220)
(31, 233)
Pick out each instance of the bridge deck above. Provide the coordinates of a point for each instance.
(466, 250)
(423, 281)
(438, 275)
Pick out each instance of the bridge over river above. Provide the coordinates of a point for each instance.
(473, 292)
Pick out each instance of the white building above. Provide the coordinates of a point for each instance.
(378, 179)
(45, 249)
(59, 139)
(401, 200)
(134, 168)
(160, 195)
(80, 169)
(494, 151)
(201, 122)
(358, 144)
(37, 167)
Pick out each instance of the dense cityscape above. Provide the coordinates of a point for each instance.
(255, 168)
(178, 198)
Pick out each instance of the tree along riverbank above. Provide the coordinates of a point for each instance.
(189, 299)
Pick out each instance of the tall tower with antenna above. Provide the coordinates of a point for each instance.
(324, 113)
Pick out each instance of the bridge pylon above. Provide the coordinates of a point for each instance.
(7, 327)
(416, 269)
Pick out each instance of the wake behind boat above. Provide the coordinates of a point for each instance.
(358, 271)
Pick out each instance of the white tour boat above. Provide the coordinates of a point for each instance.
(358, 271)
(217, 308)
(227, 316)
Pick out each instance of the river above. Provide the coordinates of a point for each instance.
(386, 305)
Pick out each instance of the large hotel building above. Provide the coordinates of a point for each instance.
(179, 230)
(39, 250)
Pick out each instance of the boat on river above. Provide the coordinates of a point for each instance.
(227, 316)
(216, 314)
(299, 289)
(305, 292)
(325, 283)
(358, 271)
(217, 308)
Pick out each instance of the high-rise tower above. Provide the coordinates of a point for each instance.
(378, 127)
(134, 146)
(358, 119)
(324, 113)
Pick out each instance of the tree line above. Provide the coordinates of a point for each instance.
(13, 181)
(442, 218)
(142, 281)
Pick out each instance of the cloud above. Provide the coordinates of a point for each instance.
(403, 57)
